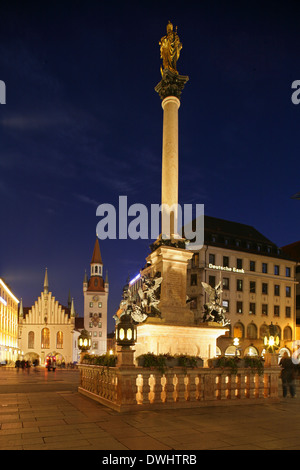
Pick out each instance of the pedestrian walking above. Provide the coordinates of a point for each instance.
(288, 375)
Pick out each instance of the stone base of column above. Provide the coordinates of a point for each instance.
(171, 263)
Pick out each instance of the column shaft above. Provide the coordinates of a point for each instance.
(169, 196)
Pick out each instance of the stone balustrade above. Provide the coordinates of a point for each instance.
(138, 388)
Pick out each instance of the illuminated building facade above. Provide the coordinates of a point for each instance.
(95, 292)
(258, 284)
(8, 324)
(48, 329)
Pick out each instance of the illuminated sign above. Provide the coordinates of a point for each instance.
(3, 301)
(136, 278)
(226, 268)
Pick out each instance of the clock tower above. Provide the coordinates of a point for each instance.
(95, 292)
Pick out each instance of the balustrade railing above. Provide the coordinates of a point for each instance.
(140, 388)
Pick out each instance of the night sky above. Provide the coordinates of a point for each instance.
(82, 125)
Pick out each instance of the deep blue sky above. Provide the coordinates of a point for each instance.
(83, 125)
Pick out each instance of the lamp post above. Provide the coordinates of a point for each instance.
(126, 335)
(271, 343)
(236, 343)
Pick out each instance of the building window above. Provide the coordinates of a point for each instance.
(252, 265)
(60, 340)
(95, 345)
(99, 304)
(195, 260)
(100, 324)
(288, 272)
(276, 270)
(238, 330)
(265, 288)
(225, 305)
(264, 310)
(252, 331)
(288, 333)
(239, 307)
(252, 309)
(252, 287)
(263, 331)
(265, 268)
(287, 312)
(226, 261)
(288, 291)
(239, 263)
(276, 311)
(193, 279)
(225, 283)
(45, 338)
(212, 259)
(276, 289)
(212, 281)
(91, 304)
(239, 285)
(31, 340)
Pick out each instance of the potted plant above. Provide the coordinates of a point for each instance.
(255, 363)
(186, 361)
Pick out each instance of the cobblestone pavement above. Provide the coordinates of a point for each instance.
(43, 410)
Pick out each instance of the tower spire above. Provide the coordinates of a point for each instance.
(96, 262)
(21, 314)
(72, 308)
(46, 283)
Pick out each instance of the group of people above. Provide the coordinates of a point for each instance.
(24, 364)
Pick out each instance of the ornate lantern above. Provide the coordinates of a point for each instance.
(126, 330)
(84, 341)
(272, 341)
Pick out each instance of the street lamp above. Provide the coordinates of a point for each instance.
(126, 330)
(84, 341)
(272, 341)
(126, 334)
(236, 343)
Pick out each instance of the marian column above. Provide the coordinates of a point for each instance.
(171, 327)
(169, 258)
(169, 90)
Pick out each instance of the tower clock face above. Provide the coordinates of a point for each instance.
(95, 298)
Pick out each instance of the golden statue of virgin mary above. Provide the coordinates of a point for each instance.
(170, 47)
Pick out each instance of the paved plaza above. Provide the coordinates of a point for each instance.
(43, 410)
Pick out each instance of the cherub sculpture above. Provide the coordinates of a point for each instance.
(213, 308)
(144, 303)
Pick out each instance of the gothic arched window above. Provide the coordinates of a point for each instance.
(45, 338)
(59, 340)
(31, 340)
